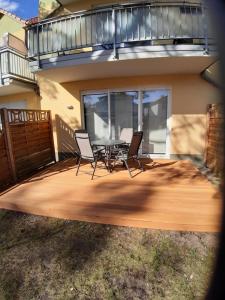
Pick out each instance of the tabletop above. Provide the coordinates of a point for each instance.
(105, 142)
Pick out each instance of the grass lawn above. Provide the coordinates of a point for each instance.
(46, 258)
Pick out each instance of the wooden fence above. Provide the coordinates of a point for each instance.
(215, 139)
(26, 143)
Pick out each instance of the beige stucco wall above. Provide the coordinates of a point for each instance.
(190, 95)
(31, 98)
(8, 24)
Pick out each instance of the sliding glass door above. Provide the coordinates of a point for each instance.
(106, 114)
(123, 112)
(154, 122)
(96, 110)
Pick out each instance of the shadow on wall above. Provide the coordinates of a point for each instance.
(190, 134)
(65, 138)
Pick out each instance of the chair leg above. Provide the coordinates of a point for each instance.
(94, 169)
(126, 164)
(107, 168)
(114, 163)
(77, 159)
(140, 165)
(78, 166)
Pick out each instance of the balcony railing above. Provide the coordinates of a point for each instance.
(14, 65)
(13, 59)
(114, 27)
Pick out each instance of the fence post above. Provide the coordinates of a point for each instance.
(8, 141)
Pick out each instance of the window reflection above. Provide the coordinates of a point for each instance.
(154, 121)
(96, 116)
(124, 112)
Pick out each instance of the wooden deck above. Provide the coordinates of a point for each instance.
(170, 195)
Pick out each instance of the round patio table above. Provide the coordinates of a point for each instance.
(108, 145)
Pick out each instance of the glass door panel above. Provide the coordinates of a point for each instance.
(124, 112)
(154, 121)
(96, 115)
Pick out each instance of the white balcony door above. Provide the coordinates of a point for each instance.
(106, 114)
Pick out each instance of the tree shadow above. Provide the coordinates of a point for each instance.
(67, 145)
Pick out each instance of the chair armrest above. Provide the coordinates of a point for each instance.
(98, 150)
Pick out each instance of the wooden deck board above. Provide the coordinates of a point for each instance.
(169, 195)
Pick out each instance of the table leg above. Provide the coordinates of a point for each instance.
(108, 156)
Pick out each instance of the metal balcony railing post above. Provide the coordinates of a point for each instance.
(1, 79)
(205, 28)
(8, 63)
(114, 33)
(38, 48)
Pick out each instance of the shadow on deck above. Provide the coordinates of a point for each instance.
(170, 194)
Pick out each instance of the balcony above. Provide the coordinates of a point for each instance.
(15, 74)
(120, 33)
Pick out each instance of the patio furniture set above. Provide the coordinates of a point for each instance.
(109, 151)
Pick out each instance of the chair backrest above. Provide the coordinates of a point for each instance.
(84, 145)
(135, 143)
(126, 135)
(79, 131)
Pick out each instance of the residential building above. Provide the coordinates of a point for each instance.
(18, 88)
(108, 64)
